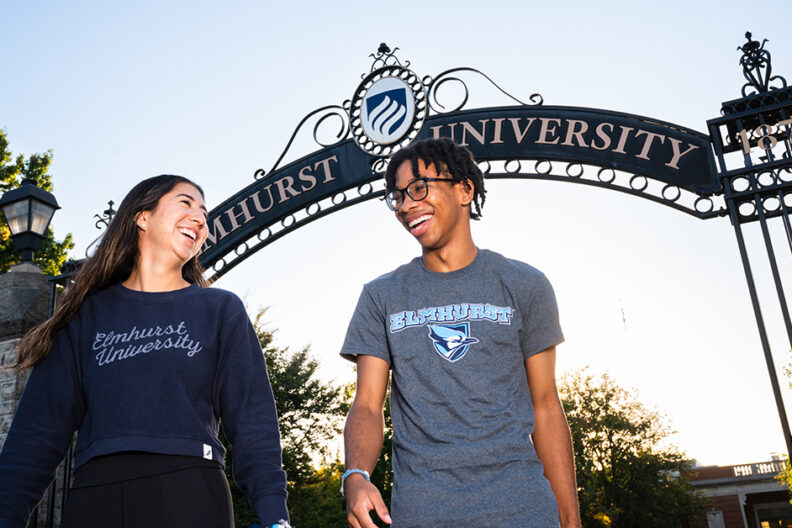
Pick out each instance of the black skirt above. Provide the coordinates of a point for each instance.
(145, 490)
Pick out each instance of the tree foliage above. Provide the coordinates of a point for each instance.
(627, 473)
(52, 254)
(785, 476)
(310, 415)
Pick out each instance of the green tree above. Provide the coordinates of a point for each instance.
(52, 254)
(310, 414)
(785, 476)
(627, 473)
(317, 500)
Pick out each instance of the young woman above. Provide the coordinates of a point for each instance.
(144, 361)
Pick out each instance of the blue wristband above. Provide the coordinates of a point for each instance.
(350, 472)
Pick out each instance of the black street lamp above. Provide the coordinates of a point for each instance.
(28, 211)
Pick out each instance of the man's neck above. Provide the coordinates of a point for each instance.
(450, 258)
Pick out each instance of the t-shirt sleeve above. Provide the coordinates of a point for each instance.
(250, 420)
(541, 328)
(367, 332)
(50, 410)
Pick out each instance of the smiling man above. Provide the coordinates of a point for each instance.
(480, 438)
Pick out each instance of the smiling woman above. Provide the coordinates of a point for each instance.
(168, 237)
(148, 452)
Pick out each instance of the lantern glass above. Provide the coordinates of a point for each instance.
(16, 215)
(42, 214)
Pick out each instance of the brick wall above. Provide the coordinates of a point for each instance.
(729, 505)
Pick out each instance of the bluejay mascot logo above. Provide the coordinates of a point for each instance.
(451, 341)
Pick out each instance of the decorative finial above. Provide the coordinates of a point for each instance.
(103, 220)
(757, 68)
(386, 57)
(107, 216)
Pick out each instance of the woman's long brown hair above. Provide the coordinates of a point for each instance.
(112, 263)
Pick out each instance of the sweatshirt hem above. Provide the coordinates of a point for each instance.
(151, 444)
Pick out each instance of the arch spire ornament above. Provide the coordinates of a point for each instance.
(385, 57)
(757, 67)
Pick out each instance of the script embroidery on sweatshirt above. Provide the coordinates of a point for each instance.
(112, 346)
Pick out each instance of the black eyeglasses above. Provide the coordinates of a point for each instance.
(417, 190)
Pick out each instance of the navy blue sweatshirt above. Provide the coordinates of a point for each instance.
(153, 372)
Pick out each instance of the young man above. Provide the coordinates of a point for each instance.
(480, 438)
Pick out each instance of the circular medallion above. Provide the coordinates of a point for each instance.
(387, 110)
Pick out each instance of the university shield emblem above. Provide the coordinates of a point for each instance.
(387, 111)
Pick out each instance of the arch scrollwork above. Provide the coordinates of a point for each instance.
(433, 85)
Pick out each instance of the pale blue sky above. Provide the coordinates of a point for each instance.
(125, 90)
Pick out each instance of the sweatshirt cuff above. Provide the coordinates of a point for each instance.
(269, 508)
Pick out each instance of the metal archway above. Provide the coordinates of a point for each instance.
(637, 155)
(742, 169)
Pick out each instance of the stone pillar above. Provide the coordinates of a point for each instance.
(11, 384)
(24, 303)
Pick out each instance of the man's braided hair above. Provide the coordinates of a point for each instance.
(450, 159)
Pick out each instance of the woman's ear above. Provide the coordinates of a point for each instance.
(141, 219)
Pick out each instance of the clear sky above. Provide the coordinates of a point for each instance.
(125, 90)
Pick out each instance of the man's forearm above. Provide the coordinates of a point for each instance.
(363, 442)
(553, 445)
(363, 434)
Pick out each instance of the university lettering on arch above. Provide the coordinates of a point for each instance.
(272, 192)
(276, 195)
(665, 152)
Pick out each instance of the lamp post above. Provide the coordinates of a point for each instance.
(28, 211)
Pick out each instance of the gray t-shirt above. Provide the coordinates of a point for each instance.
(460, 402)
